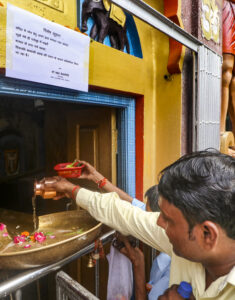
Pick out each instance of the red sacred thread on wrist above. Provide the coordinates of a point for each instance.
(74, 190)
(102, 182)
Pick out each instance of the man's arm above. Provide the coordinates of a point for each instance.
(136, 256)
(120, 215)
(139, 275)
(172, 294)
(90, 173)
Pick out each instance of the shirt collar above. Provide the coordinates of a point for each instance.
(231, 276)
(163, 260)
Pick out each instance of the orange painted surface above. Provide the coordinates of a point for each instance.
(175, 52)
(170, 8)
(175, 48)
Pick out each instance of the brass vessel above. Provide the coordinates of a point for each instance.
(56, 250)
(42, 189)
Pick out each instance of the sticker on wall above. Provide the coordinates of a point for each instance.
(11, 159)
(45, 52)
(210, 20)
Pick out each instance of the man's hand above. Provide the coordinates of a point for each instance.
(172, 294)
(135, 255)
(89, 172)
(62, 186)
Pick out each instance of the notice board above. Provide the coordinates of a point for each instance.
(42, 51)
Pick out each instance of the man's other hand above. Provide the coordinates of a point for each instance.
(135, 255)
(172, 294)
(89, 172)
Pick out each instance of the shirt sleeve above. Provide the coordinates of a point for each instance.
(138, 203)
(109, 209)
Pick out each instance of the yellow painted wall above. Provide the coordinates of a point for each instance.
(118, 71)
(60, 11)
(162, 109)
(115, 70)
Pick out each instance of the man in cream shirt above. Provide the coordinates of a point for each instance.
(195, 226)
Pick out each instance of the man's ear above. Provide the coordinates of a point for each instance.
(210, 234)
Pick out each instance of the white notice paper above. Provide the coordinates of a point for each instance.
(42, 51)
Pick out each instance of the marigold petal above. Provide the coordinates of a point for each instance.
(25, 233)
(32, 238)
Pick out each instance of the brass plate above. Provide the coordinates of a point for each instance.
(17, 257)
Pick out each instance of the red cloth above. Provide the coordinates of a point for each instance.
(229, 27)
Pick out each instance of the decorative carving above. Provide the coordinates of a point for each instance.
(104, 25)
(226, 142)
(210, 20)
(11, 158)
(56, 4)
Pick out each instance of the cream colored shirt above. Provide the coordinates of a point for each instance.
(127, 219)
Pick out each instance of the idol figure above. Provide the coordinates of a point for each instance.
(228, 68)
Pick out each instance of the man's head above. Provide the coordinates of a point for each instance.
(152, 198)
(202, 186)
(197, 203)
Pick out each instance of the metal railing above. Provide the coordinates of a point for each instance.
(69, 289)
(24, 278)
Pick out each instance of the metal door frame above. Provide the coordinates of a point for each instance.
(126, 117)
(206, 73)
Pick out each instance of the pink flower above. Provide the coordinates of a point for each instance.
(39, 237)
(19, 239)
(2, 226)
(27, 246)
(52, 236)
(5, 234)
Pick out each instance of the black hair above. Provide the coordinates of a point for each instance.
(202, 186)
(152, 196)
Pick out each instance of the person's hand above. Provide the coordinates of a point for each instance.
(135, 255)
(61, 185)
(89, 172)
(172, 294)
